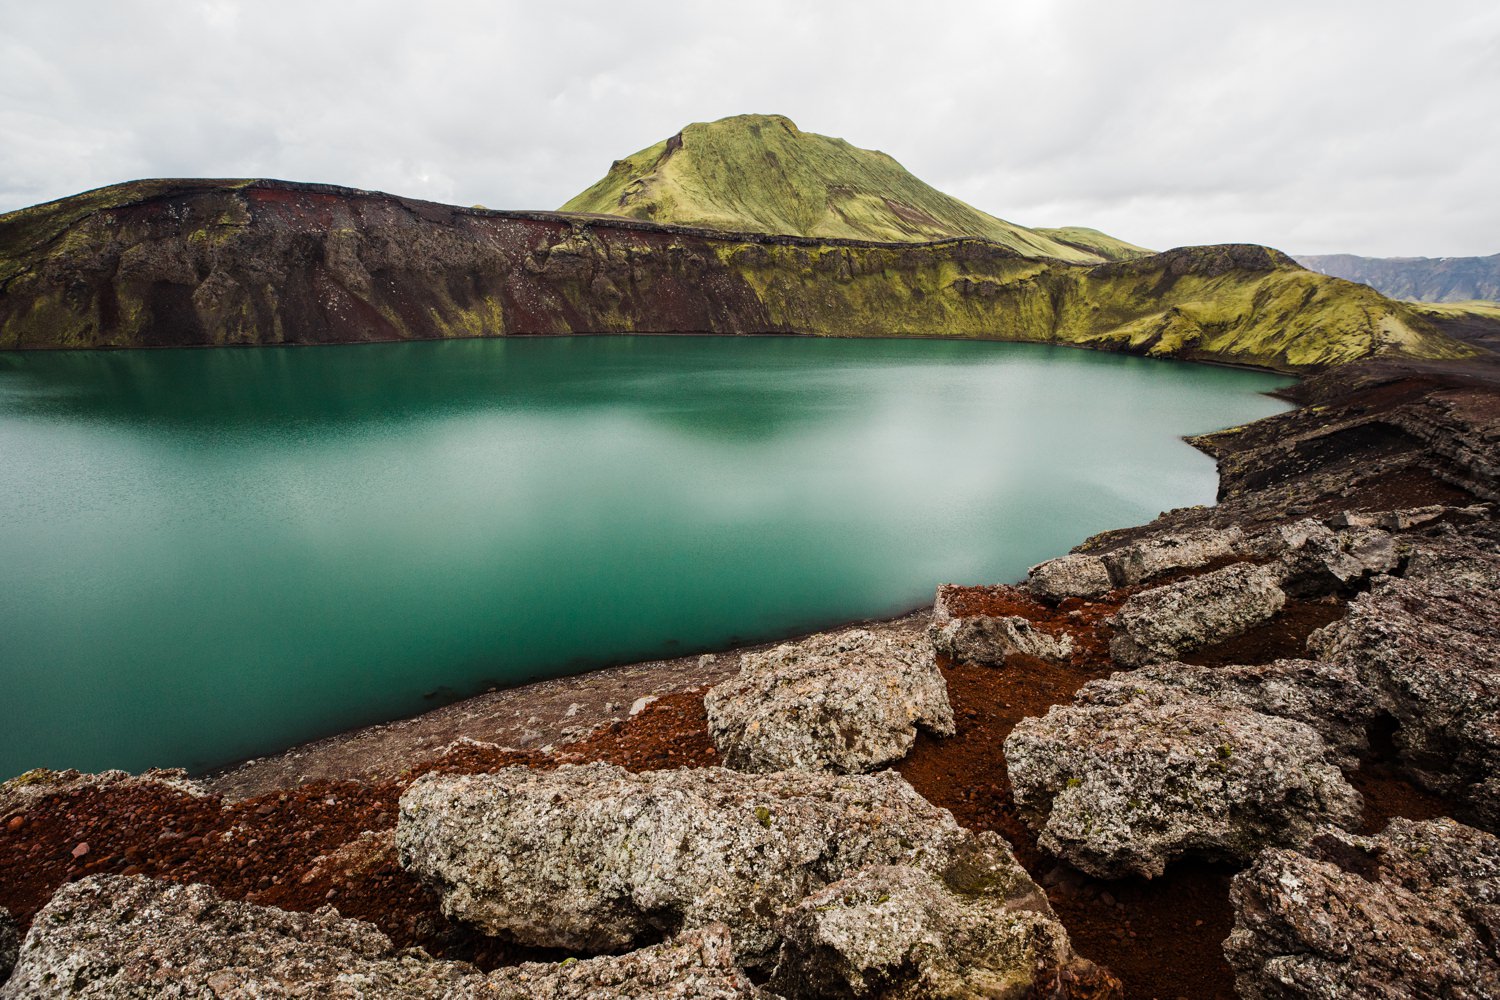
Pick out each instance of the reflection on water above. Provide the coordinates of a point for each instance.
(212, 554)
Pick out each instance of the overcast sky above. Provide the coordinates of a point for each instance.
(1368, 127)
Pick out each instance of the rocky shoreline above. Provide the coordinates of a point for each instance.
(1246, 749)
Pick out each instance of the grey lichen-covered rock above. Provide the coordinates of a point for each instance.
(1070, 576)
(1428, 645)
(123, 938)
(1122, 789)
(10, 942)
(1321, 561)
(1151, 557)
(1331, 698)
(990, 639)
(117, 937)
(1412, 912)
(900, 932)
(1166, 622)
(695, 965)
(1285, 538)
(596, 858)
(849, 703)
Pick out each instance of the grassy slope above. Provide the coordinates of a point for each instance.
(1095, 242)
(1474, 307)
(761, 174)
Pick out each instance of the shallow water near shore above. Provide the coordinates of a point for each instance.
(208, 555)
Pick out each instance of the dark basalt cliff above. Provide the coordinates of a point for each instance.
(188, 263)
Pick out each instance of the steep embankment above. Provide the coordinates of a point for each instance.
(762, 174)
(1424, 279)
(177, 263)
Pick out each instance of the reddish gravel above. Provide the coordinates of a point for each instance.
(1284, 637)
(1085, 621)
(268, 849)
(303, 849)
(1160, 937)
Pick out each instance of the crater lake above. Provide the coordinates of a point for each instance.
(208, 555)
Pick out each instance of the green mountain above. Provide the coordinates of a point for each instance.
(762, 174)
(1420, 279)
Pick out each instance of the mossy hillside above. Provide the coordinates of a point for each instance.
(1479, 308)
(762, 174)
(272, 263)
(1097, 243)
(30, 232)
(1475, 322)
(1242, 303)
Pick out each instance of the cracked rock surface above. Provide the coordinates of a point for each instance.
(1165, 622)
(1124, 788)
(1069, 576)
(900, 932)
(1428, 645)
(1330, 698)
(849, 703)
(132, 937)
(990, 639)
(1151, 557)
(1412, 912)
(1319, 560)
(595, 858)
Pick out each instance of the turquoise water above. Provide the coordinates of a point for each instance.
(209, 555)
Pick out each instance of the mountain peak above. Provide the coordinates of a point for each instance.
(760, 173)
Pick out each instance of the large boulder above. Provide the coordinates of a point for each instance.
(1069, 576)
(10, 942)
(1122, 789)
(1428, 645)
(900, 932)
(595, 858)
(989, 639)
(978, 625)
(1166, 622)
(1318, 560)
(1413, 912)
(1330, 698)
(122, 938)
(1151, 557)
(848, 703)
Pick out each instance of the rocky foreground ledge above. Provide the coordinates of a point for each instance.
(1244, 750)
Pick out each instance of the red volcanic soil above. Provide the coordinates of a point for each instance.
(302, 849)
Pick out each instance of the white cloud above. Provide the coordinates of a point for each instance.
(1367, 127)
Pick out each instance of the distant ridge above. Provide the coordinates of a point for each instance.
(762, 174)
(1420, 279)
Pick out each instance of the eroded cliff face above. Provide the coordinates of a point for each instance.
(185, 263)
